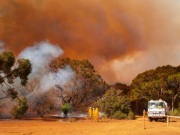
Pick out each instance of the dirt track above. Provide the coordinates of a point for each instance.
(88, 127)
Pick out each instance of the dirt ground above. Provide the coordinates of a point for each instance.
(88, 127)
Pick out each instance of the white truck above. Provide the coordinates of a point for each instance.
(157, 110)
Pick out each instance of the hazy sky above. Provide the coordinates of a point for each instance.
(121, 38)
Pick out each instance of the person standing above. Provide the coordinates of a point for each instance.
(90, 113)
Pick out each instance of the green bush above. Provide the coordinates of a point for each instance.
(131, 115)
(179, 106)
(119, 115)
(176, 112)
(115, 104)
(21, 108)
(170, 113)
(65, 109)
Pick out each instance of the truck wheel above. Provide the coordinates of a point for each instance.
(150, 119)
(156, 120)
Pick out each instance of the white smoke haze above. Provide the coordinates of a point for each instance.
(6, 107)
(72, 114)
(49, 82)
(52, 79)
(41, 54)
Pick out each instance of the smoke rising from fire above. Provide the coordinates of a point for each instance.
(52, 79)
(40, 55)
(121, 37)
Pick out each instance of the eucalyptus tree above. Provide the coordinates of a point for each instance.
(114, 104)
(159, 83)
(11, 69)
(84, 88)
(173, 90)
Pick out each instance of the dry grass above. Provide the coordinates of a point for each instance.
(74, 126)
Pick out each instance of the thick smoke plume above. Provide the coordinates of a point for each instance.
(50, 80)
(120, 37)
(40, 55)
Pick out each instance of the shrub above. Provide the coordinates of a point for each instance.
(176, 112)
(119, 115)
(131, 115)
(179, 106)
(114, 104)
(65, 108)
(104, 120)
(21, 108)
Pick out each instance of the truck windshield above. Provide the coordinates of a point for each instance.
(156, 105)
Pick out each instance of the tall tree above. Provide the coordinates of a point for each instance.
(159, 83)
(125, 88)
(10, 69)
(173, 90)
(85, 88)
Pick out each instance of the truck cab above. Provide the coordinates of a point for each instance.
(157, 110)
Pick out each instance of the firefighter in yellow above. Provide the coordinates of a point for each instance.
(90, 113)
(96, 114)
(93, 112)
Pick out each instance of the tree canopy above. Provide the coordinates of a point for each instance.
(85, 88)
(10, 69)
(114, 104)
(159, 83)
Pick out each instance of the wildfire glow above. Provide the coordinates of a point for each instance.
(101, 31)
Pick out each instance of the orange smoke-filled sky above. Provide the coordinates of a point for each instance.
(121, 38)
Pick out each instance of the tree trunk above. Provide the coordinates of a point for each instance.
(172, 104)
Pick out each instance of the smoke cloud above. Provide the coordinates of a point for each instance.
(121, 37)
(50, 80)
(41, 54)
